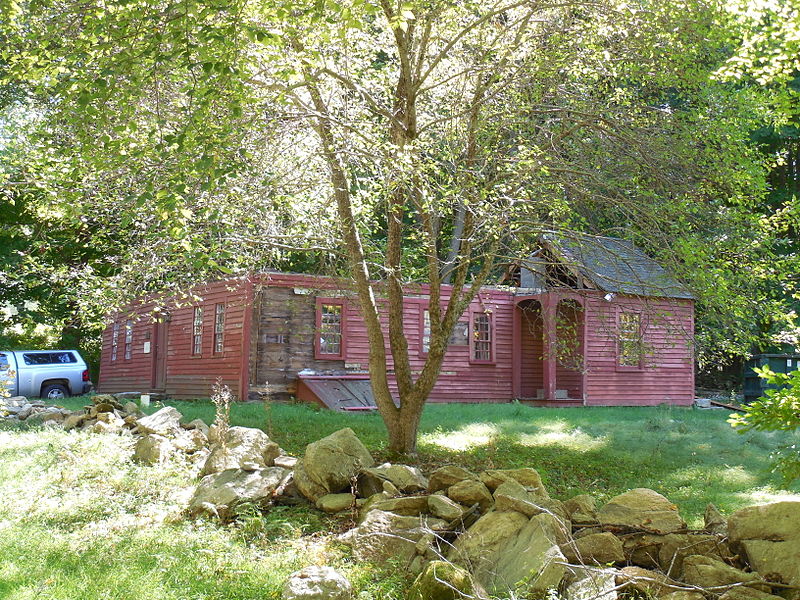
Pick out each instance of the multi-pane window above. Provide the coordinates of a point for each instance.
(481, 337)
(330, 329)
(219, 327)
(197, 330)
(426, 330)
(128, 338)
(114, 340)
(630, 339)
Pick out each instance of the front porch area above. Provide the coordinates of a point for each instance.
(550, 349)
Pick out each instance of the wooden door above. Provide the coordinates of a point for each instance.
(160, 338)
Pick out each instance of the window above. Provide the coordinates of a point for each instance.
(630, 350)
(219, 327)
(481, 337)
(128, 338)
(49, 358)
(425, 337)
(330, 341)
(197, 330)
(114, 340)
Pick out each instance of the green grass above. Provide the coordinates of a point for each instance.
(80, 520)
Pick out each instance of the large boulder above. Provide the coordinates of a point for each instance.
(582, 509)
(407, 480)
(527, 477)
(152, 449)
(469, 492)
(163, 422)
(641, 509)
(317, 583)
(334, 503)
(643, 582)
(383, 535)
(331, 464)
(675, 547)
(443, 581)
(530, 563)
(220, 494)
(708, 572)
(591, 584)
(485, 536)
(747, 593)
(443, 477)
(405, 505)
(243, 448)
(443, 507)
(769, 536)
(594, 549)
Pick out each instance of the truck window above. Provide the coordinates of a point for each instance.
(3, 362)
(49, 358)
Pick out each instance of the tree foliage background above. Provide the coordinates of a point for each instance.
(149, 144)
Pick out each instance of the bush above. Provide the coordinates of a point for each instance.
(777, 410)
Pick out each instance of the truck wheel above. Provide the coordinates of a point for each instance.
(54, 391)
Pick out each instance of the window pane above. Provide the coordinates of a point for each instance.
(197, 330)
(128, 338)
(330, 329)
(426, 330)
(114, 340)
(482, 342)
(630, 342)
(219, 328)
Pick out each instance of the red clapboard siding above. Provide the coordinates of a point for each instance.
(274, 313)
(188, 375)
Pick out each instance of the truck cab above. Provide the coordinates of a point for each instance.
(51, 374)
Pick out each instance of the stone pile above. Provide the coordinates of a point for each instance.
(19, 408)
(467, 535)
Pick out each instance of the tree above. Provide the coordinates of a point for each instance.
(446, 136)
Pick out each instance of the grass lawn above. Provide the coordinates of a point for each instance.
(80, 520)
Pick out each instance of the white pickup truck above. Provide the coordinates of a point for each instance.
(49, 374)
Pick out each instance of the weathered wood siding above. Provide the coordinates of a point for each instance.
(667, 373)
(460, 380)
(532, 349)
(188, 375)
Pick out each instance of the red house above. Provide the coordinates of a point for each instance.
(585, 320)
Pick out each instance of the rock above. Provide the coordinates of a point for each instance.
(591, 584)
(105, 399)
(683, 595)
(443, 581)
(25, 411)
(581, 510)
(383, 535)
(222, 493)
(163, 422)
(103, 407)
(511, 495)
(707, 572)
(641, 509)
(528, 478)
(469, 492)
(105, 427)
(714, 521)
(198, 424)
(485, 536)
(52, 417)
(317, 583)
(643, 549)
(191, 441)
(406, 479)
(334, 503)
(444, 477)
(405, 505)
(444, 508)
(330, 464)
(747, 593)
(390, 490)
(152, 449)
(644, 582)
(677, 546)
(131, 408)
(775, 521)
(244, 448)
(769, 536)
(596, 549)
(528, 564)
(285, 461)
(74, 421)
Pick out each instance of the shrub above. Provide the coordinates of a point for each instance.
(777, 410)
